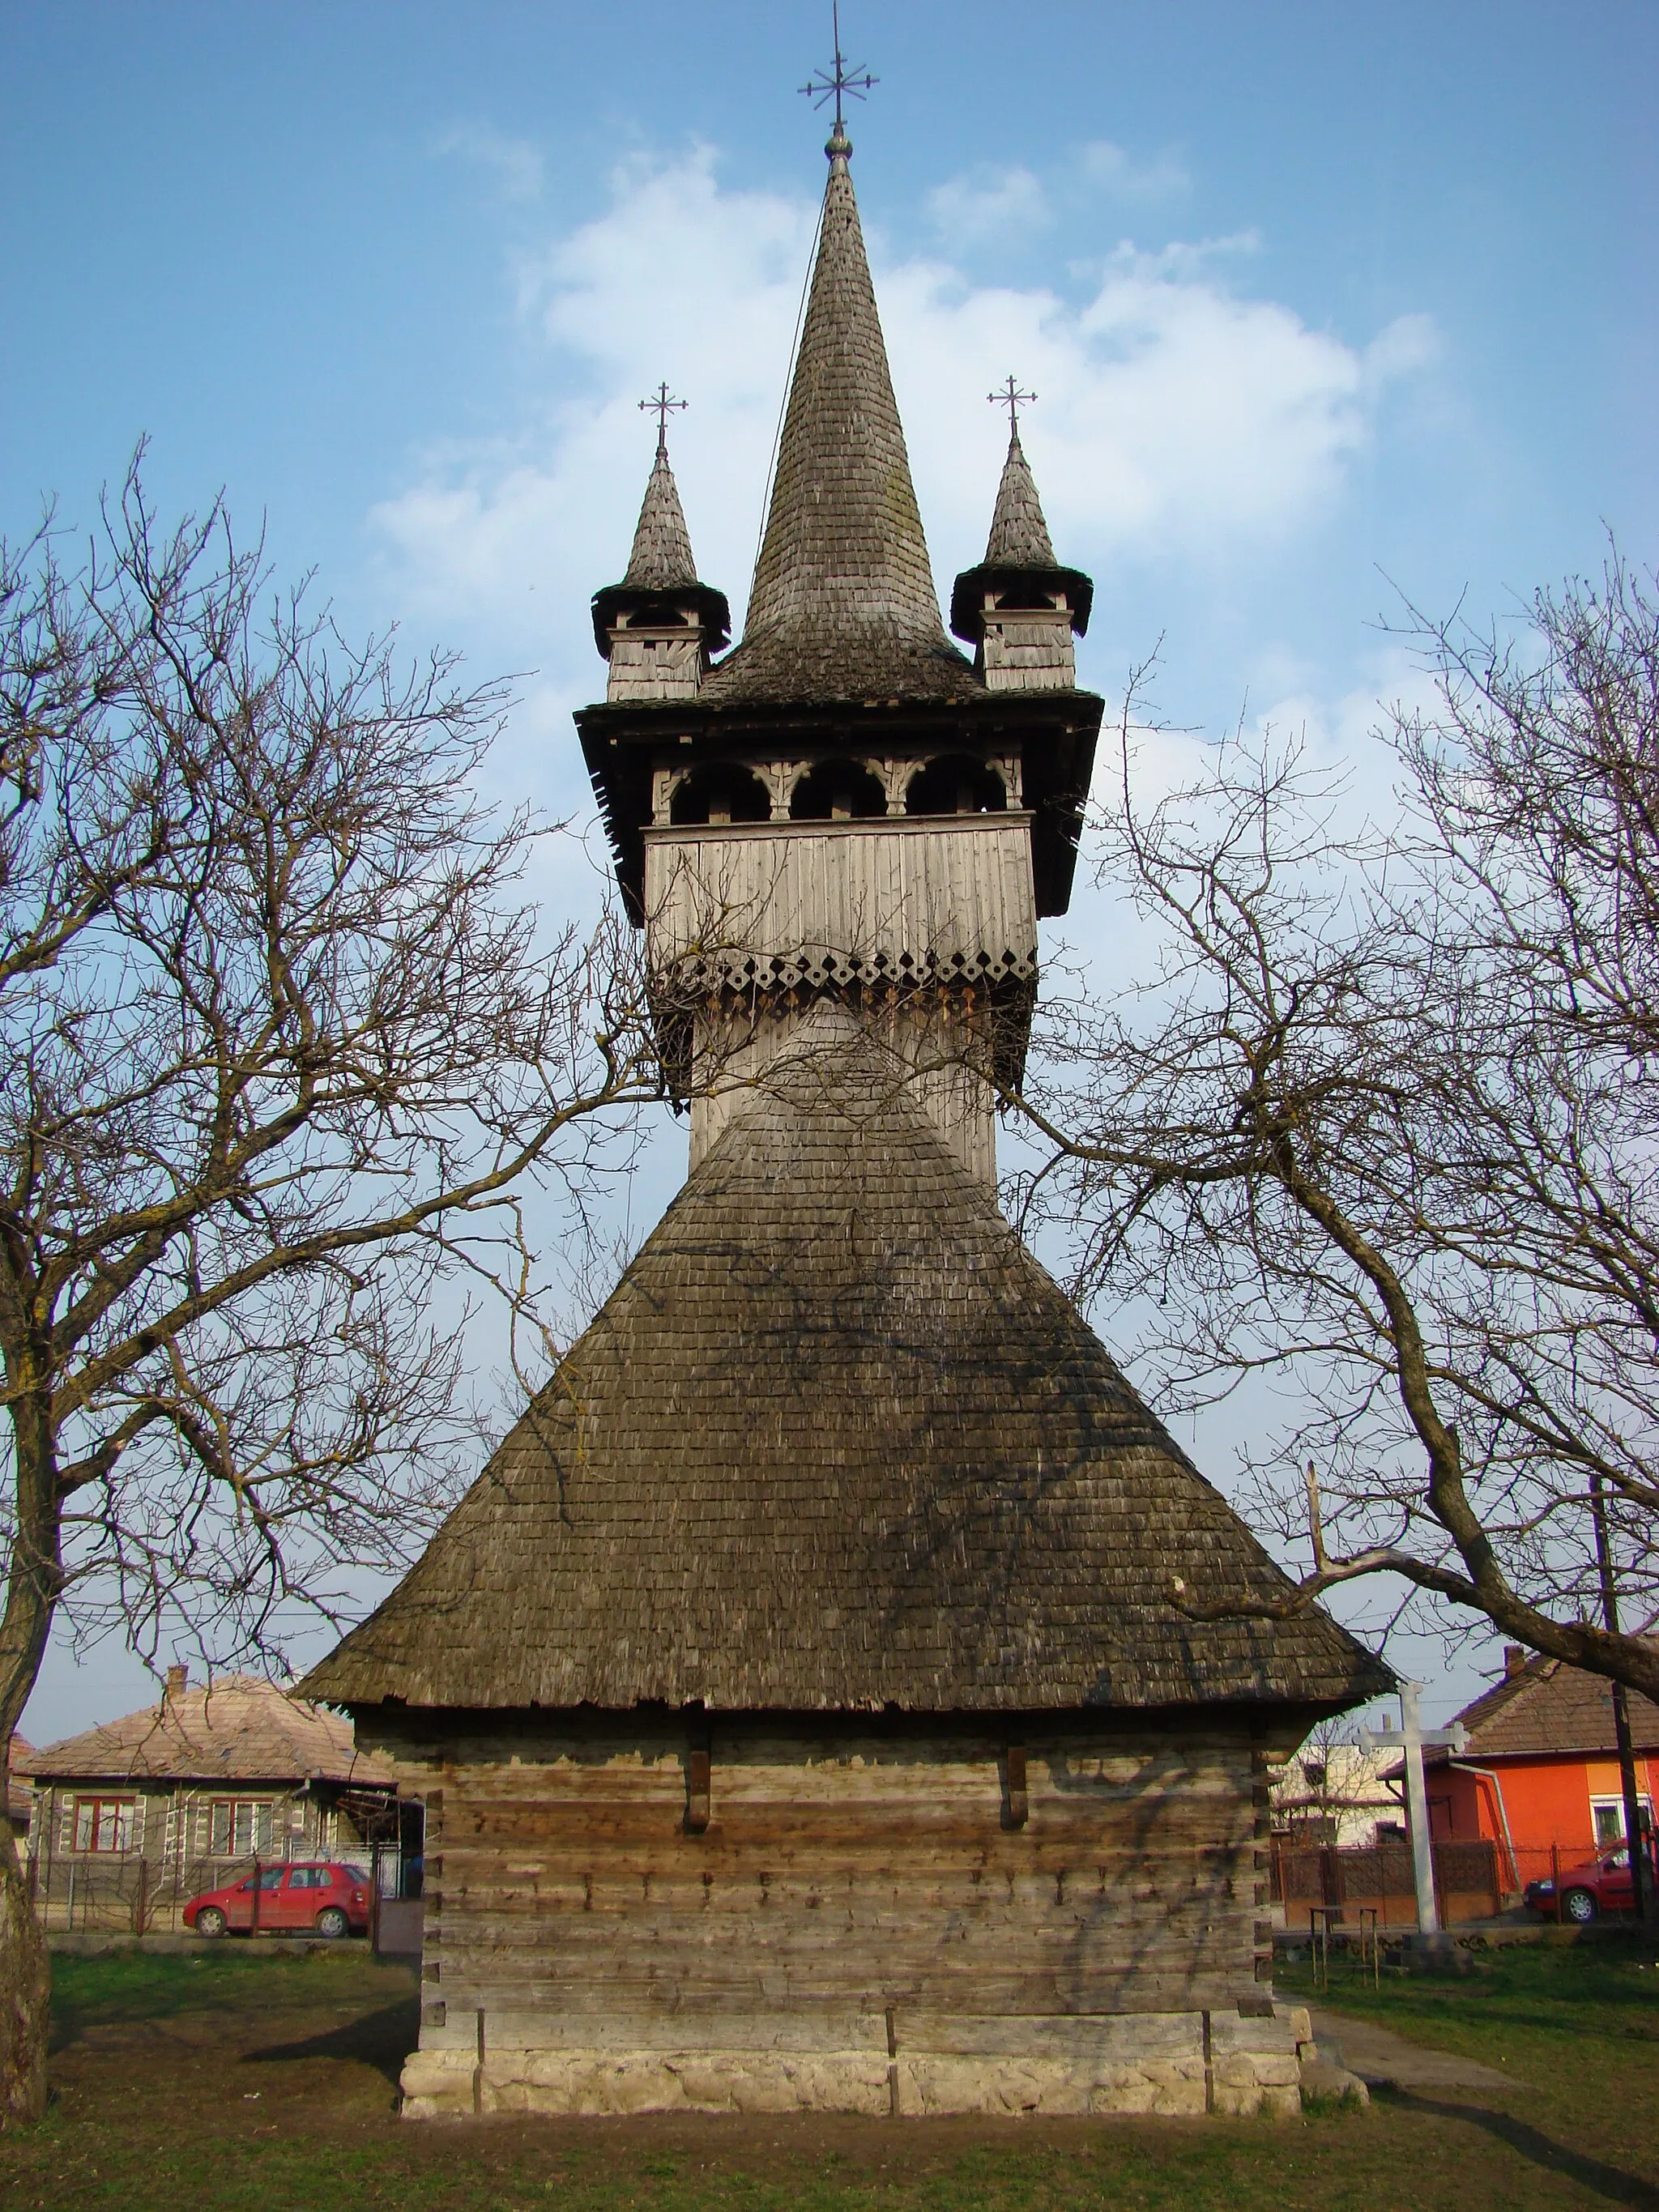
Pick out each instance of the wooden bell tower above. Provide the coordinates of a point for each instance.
(803, 1698)
(845, 807)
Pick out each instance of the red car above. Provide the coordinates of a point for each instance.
(1601, 1884)
(317, 1896)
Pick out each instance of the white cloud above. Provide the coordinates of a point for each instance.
(515, 164)
(987, 203)
(1409, 342)
(679, 280)
(1174, 416)
(1343, 730)
(999, 203)
(1184, 257)
(1178, 419)
(1110, 169)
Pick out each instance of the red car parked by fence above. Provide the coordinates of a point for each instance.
(1601, 1884)
(319, 1897)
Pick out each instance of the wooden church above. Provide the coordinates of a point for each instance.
(799, 1700)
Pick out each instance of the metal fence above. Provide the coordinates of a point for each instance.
(1468, 1882)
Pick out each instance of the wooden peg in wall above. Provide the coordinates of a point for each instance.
(697, 1777)
(1018, 1806)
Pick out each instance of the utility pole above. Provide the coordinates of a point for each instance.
(1636, 1841)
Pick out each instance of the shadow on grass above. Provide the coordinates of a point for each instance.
(1608, 2181)
(382, 2039)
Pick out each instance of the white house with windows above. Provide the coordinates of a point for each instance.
(1331, 1792)
(135, 1817)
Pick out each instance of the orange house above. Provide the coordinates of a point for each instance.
(1538, 1775)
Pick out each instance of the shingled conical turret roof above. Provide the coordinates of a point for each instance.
(837, 1442)
(1020, 535)
(1019, 552)
(844, 605)
(661, 558)
(662, 576)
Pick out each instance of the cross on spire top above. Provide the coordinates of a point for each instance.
(1010, 395)
(662, 406)
(826, 84)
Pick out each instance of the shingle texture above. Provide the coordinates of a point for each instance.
(836, 1441)
(239, 1729)
(1548, 1706)
(844, 605)
(1020, 535)
(661, 559)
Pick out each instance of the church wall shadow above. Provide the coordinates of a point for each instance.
(1610, 2183)
(382, 2039)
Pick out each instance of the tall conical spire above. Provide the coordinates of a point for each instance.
(1020, 535)
(661, 559)
(843, 603)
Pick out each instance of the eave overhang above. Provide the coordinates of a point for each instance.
(1022, 587)
(1056, 731)
(669, 608)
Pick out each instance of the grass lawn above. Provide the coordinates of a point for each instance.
(236, 2079)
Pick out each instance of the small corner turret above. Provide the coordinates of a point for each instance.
(659, 626)
(1019, 609)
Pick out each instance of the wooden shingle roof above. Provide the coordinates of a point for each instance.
(1018, 552)
(1546, 1707)
(844, 605)
(836, 1441)
(238, 1728)
(1019, 531)
(661, 558)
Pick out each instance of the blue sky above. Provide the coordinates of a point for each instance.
(1318, 302)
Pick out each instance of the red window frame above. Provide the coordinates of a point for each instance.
(230, 1837)
(104, 1826)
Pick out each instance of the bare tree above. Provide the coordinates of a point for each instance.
(1384, 1125)
(282, 1042)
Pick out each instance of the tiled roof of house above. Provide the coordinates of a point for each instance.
(238, 1727)
(1547, 1707)
(837, 1441)
(844, 605)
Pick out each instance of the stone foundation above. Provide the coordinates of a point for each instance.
(1173, 2063)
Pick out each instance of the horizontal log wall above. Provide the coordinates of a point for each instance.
(837, 1881)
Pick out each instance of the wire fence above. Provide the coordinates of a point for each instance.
(1471, 1882)
(110, 1895)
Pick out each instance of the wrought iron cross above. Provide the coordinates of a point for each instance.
(662, 407)
(1010, 395)
(832, 83)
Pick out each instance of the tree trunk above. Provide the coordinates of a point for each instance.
(34, 1583)
(25, 1993)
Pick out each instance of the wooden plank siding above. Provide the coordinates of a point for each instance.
(868, 900)
(838, 1879)
(943, 912)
